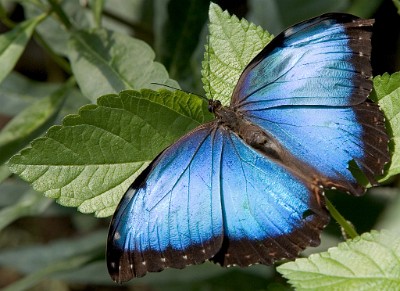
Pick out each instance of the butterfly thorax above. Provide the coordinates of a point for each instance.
(252, 134)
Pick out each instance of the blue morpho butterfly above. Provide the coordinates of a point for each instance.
(248, 187)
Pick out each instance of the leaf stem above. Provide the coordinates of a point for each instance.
(60, 13)
(347, 227)
(64, 65)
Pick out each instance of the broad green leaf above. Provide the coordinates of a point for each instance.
(368, 262)
(31, 122)
(106, 62)
(13, 43)
(91, 159)
(387, 94)
(233, 43)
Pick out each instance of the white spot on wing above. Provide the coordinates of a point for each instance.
(117, 236)
(288, 31)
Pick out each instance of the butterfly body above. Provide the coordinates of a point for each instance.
(248, 186)
(261, 140)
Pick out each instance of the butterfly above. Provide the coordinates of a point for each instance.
(248, 187)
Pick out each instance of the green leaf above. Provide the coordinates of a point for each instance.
(13, 43)
(233, 43)
(368, 262)
(387, 94)
(94, 156)
(107, 62)
(31, 122)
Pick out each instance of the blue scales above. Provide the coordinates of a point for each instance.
(247, 187)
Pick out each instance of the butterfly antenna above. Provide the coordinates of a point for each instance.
(178, 89)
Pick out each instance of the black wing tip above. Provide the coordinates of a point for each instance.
(124, 265)
(376, 140)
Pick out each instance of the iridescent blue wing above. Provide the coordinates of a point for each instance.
(329, 138)
(170, 216)
(211, 196)
(308, 89)
(321, 61)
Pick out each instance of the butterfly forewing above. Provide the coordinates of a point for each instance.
(171, 218)
(322, 61)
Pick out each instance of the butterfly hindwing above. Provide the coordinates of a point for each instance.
(332, 138)
(211, 196)
(263, 219)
